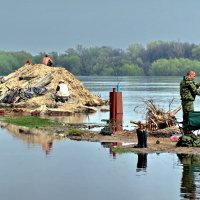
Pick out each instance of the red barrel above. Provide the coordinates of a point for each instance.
(112, 104)
(116, 110)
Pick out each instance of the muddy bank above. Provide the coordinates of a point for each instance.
(127, 140)
(159, 143)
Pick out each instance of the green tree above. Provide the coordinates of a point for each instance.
(131, 70)
(196, 52)
(174, 67)
(71, 62)
(135, 52)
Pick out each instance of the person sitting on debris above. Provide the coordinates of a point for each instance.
(28, 62)
(47, 61)
(62, 92)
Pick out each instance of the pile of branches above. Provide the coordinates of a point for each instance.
(157, 118)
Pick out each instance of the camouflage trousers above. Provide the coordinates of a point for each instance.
(187, 106)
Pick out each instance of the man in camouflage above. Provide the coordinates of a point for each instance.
(188, 92)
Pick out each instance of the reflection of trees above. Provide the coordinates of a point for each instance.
(190, 188)
(77, 118)
(31, 137)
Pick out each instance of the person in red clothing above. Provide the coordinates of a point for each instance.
(28, 62)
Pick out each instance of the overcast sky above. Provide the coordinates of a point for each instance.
(57, 25)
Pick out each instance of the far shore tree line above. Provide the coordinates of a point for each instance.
(158, 58)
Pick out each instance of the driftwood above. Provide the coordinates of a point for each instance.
(4, 79)
(157, 118)
(26, 78)
(45, 81)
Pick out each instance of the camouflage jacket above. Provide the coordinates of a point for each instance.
(188, 89)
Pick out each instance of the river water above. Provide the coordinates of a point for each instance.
(164, 91)
(87, 170)
(135, 91)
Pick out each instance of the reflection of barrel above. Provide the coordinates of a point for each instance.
(116, 110)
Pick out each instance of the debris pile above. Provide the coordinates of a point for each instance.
(32, 88)
(157, 118)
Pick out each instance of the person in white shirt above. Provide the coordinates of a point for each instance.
(62, 92)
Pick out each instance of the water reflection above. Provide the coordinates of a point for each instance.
(75, 118)
(142, 157)
(81, 120)
(142, 162)
(121, 177)
(135, 91)
(47, 147)
(110, 145)
(32, 138)
(190, 188)
(161, 166)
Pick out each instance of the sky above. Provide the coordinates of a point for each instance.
(56, 25)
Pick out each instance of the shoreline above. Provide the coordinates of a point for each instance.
(155, 144)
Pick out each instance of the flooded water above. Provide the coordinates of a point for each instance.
(87, 171)
(135, 90)
(40, 168)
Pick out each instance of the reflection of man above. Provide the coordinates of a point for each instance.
(191, 166)
(45, 141)
(47, 147)
(188, 92)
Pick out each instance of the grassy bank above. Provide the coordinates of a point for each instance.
(29, 121)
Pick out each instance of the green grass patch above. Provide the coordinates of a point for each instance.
(29, 121)
(74, 132)
(119, 150)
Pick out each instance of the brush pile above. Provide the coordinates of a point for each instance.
(157, 118)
